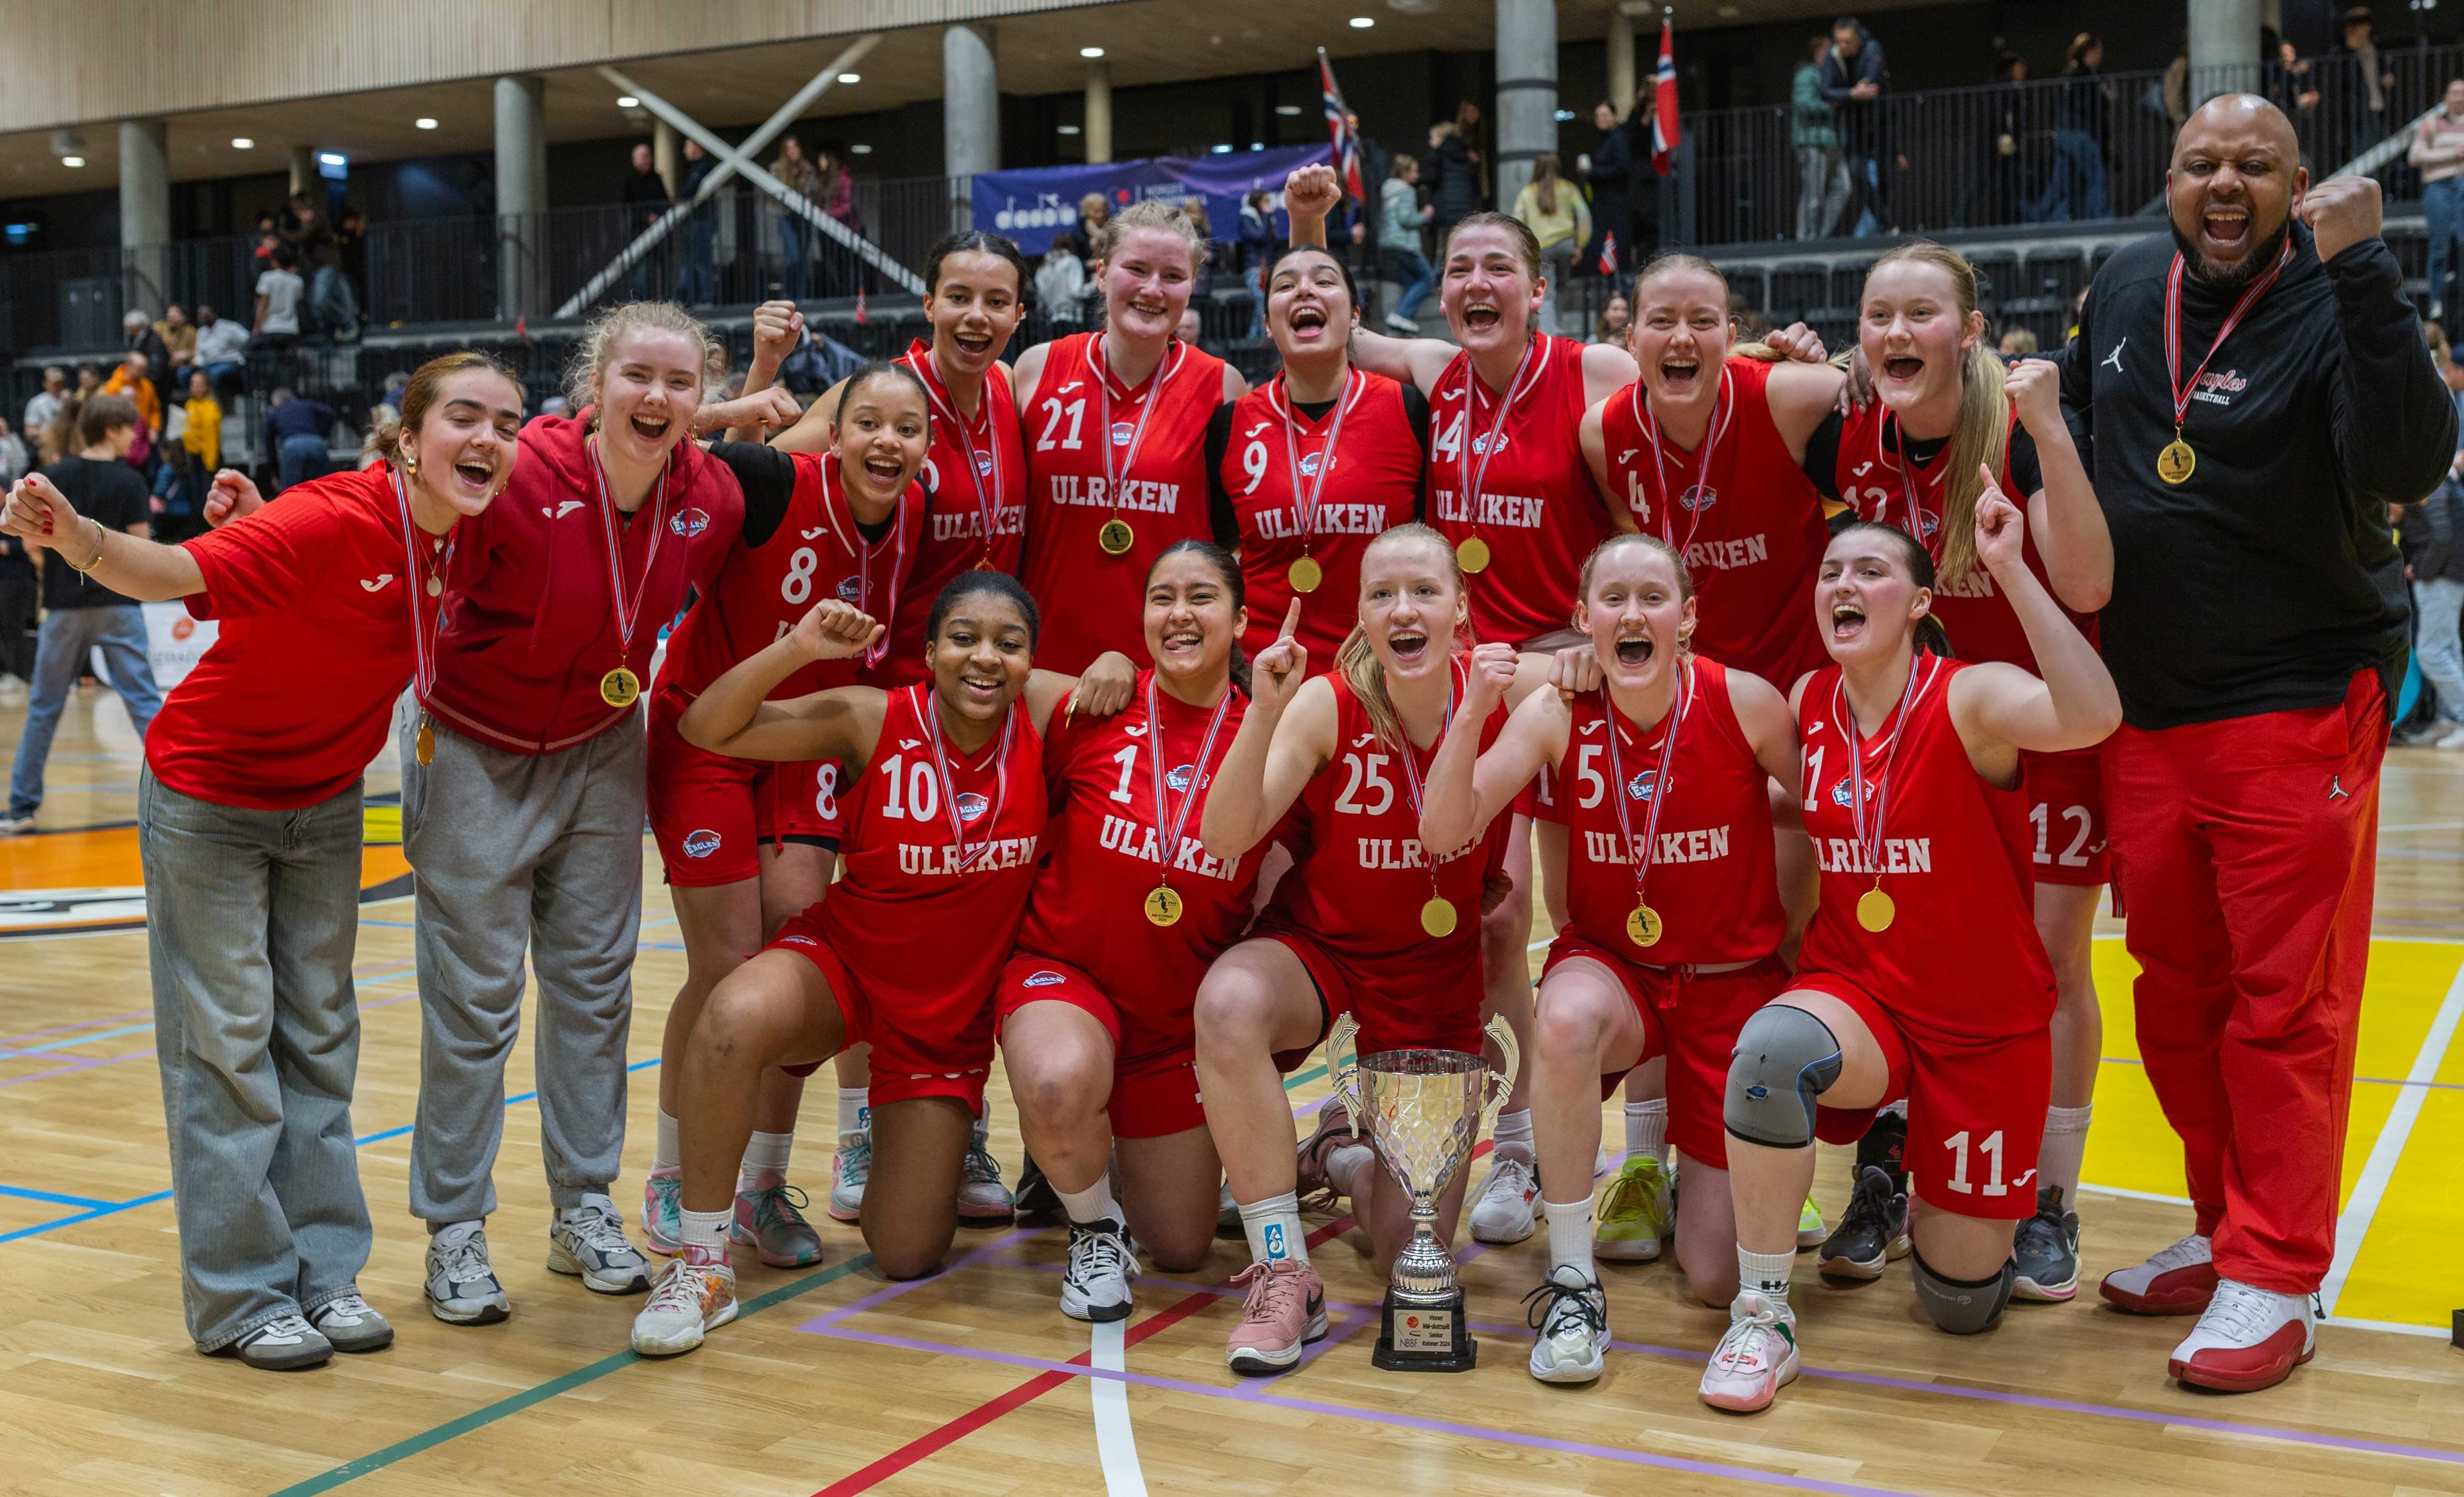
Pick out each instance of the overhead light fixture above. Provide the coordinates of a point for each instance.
(1564, 115)
(1287, 109)
(859, 149)
(628, 102)
(1090, 52)
(425, 123)
(1069, 129)
(72, 161)
(1362, 22)
(331, 159)
(241, 142)
(1219, 150)
(850, 78)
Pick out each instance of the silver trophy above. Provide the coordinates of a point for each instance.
(1425, 1112)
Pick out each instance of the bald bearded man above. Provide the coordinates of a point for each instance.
(2257, 391)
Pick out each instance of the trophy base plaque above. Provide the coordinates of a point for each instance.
(1425, 1337)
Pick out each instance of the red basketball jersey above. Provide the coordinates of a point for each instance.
(1359, 875)
(1961, 957)
(923, 915)
(1742, 512)
(761, 591)
(1710, 878)
(1156, 436)
(1373, 484)
(1978, 619)
(975, 471)
(1536, 507)
(1106, 855)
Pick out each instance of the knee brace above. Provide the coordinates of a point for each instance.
(1785, 1058)
(1963, 1309)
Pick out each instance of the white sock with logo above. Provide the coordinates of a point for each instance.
(2064, 1149)
(855, 1114)
(1273, 1227)
(705, 1229)
(1765, 1273)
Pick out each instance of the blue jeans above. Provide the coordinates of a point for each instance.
(697, 278)
(791, 250)
(1412, 269)
(1256, 276)
(251, 919)
(2440, 604)
(2077, 193)
(67, 636)
(2439, 204)
(302, 457)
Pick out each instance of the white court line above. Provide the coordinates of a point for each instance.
(2133, 1194)
(2354, 1225)
(1116, 1444)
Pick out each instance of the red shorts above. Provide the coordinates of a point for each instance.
(1693, 1018)
(1976, 1108)
(1153, 1097)
(905, 1065)
(710, 813)
(1396, 1012)
(2066, 810)
(1539, 798)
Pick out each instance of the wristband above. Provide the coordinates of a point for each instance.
(96, 559)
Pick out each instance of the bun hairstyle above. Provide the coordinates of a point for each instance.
(1227, 571)
(384, 437)
(1931, 637)
(1357, 661)
(608, 328)
(1527, 244)
(1154, 213)
(1982, 438)
(976, 580)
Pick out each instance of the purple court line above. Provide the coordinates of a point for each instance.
(1264, 1393)
(82, 1024)
(827, 1321)
(149, 1051)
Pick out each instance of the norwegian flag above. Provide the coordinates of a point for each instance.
(1608, 254)
(1338, 126)
(860, 317)
(1663, 105)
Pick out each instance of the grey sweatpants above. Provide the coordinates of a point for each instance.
(515, 850)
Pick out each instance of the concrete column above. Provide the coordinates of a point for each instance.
(144, 218)
(667, 154)
(1526, 92)
(1622, 62)
(522, 193)
(1099, 111)
(303, 169)
(970, 114)
(2223, 48)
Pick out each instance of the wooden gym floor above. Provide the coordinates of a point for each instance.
(836, 1381)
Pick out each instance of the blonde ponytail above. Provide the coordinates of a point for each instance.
(1982, 438)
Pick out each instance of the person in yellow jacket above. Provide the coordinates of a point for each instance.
(204, 435)
(1559, 218)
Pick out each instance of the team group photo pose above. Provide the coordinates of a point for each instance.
(1434, 803)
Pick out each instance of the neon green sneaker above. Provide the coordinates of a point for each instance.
(1634, 1212)
(1809, 1230)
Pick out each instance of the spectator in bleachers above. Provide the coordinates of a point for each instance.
(836, 192)
(1557, 215)
(295, 436)
(2293, 87)
(1061, 283)
(202, 439)
(1400, 218)
(1376, 164)
(2076, 192)
(279, 294)
(179, 337)
(1612, 178)
(2368, 82)
(1454, 179)
(1814, 132)
(14, 459)
(331, 299)
(644, 196)
(2017, 343)
(1255, 247)
(1467, 129)
(89, 378)
(140, 337)
(134, 380)
(789, 235)
(2438, 151)
(1616, 319)
(1190, 327)
(1094, 210)
(44, 408)
(2432, 536)
(222, 350)
(1854, 74)
(1997, 183)
(698, 284)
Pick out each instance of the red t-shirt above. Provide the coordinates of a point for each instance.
(311, 596)
(953, 538)
(1092, 600)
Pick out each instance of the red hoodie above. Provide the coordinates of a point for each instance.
(530, 620)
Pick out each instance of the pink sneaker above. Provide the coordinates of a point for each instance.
(1286, 1311)
(662, 1199)
(1756, 1358)
(769, 1221)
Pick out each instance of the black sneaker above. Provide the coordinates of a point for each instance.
(2046, 1246)
(1873, 1231)
(1039, 1204)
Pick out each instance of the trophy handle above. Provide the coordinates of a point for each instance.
(1500, 1081)
(1344, 1075)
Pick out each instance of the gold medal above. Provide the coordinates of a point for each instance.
(424, 744)
(619, 687)
(2173, 465)
(1644, 927)
(1163, 905)
(435, 585)
(1438, 916)
(1306, 574)
(1874, 909)
(1471, 553)
(1115, 536)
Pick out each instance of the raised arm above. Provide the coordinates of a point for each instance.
(2064, 517)
(735, 716)
(811, 432)
(1467, 788)
(2073, 705)
(1284, 738)
(1309, 194)
(778, 327)
(38, 512)
(2394, 421)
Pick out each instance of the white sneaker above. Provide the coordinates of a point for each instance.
(1572, 1315)
(13, 825)
(2249, 1338)
(352, 1324)
(1501, 1213)
(696, 1296)
(283, 1343)
(849, 1168)
(1096, 1284)
(983, 1201)
(12, 692)
(1402, 325)
(1756, 1358)
(2177, 1279)
(2452, 739)
(588, 1241)
(462, 1287)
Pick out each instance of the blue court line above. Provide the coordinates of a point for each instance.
(51, 1197)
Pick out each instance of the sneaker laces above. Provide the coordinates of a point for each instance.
(2043, 1232)
(1555, 1302)
(465, 1262)
(349, 1306)
(1512, 1175)
(779, 1206)
(1748, 1339)
(1869, 1204)
(981, 1167)
(684, 1286)
(1269, 1284)
(1318, 1192)
(2242, 1313)
(855, 1161)
(292, 1327)
(597, 1227)
(1097, 1248)
(2187, 1253)
(1633, 1190)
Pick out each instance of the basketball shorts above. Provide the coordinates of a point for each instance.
(1538, 799)
(2066, 813)
(1400, 1005)
(924, 1044)
(1153, 1096)
(710, 813)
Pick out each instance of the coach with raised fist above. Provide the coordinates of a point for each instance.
(2256, 390)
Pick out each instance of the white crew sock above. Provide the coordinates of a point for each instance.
(765, 1155)
(1765, 1273)
(2065, 1146)
(855, 1114)
(1513, 1130)
(706, 1229)
(1273, 1227)
(670, 1155)
(1094, 1203)
(1646, 1130)
(1570, 1235)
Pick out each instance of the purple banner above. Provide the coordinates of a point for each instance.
(1033, 204)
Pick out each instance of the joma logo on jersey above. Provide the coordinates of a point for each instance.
(690, 523)
(700, 843)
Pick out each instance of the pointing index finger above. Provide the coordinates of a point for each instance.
(1292, 619)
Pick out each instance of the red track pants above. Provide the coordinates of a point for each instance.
(2244, 852)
